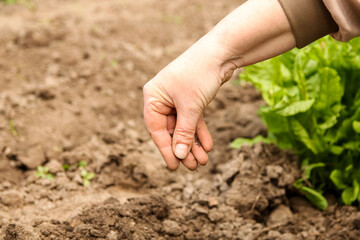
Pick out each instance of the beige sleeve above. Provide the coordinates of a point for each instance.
(346, 14)
(309, 20)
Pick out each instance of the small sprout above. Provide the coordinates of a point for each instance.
(82, 164)
(66, 167)
(58, 149)
(13, 129)
(87, 177)
(172, 19)
(114, 63)
(43, 172)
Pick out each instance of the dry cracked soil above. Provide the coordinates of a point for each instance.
(71, 75)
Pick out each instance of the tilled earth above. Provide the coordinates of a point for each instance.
(71, 75)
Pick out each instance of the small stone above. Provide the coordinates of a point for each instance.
(200, 209)
(213, 202)
(287, 236)
(188, 191)
(77, 178)
(35, 157)
(172, 228)
(356, 221)
(112, 235)
(54, 166)
(304, 234)
(280, 215)
(273, 234)
(300, 204)
(286, 179)
(274, 171)
(11, 198)
(215, 215)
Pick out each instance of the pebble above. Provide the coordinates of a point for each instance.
(54, 166)
(37, 157)
(11, 198)
(274, 171)
(215, 215)
(172, 228)
(280, 215)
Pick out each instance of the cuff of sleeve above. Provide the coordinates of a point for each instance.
(309, 20)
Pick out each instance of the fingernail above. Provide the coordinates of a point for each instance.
(181, 150)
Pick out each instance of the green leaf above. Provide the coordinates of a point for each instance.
(82, 164)
(298, 184)
(307, 169)
(238, 142)
(66, 167)
(83, 173)
(86, 182)
(50, 177)
(350, 194)
(296, 108)
(13, 130)
(330, 91)
(337, 150)
(330, 122)
(356, 126)
(315, 197)
(352, 145)
(90, 176)
(303, 135)
(338, 179)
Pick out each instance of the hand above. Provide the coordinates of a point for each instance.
(174, 101)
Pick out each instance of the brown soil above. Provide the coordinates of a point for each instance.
(71, 75)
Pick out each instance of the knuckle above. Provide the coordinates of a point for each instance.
(186, 135)
(146, 88)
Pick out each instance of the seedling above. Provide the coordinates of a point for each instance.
(87, 177)
(66, 167)
(82, 164)
(114, 63)
(12, 128)
(43, 172)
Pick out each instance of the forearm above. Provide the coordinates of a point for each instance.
(255, 31)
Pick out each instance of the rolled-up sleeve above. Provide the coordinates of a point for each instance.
(309, 20)
(346, 14)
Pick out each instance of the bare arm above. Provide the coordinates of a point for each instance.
(176, 97)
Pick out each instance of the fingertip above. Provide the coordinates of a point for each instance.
(190, 162)
(181, 151)
(208, 145)
(204, 135)
(173, 166)
(200, 154)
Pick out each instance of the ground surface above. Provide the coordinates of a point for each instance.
(71, 75)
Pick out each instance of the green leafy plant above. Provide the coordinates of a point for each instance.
(43, 172)
(87, 177)
(312, 100)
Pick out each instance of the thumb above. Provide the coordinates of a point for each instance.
(184, 133)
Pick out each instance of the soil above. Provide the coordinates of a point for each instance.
(71, 75)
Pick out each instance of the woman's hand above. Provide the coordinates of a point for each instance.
(174, 101)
